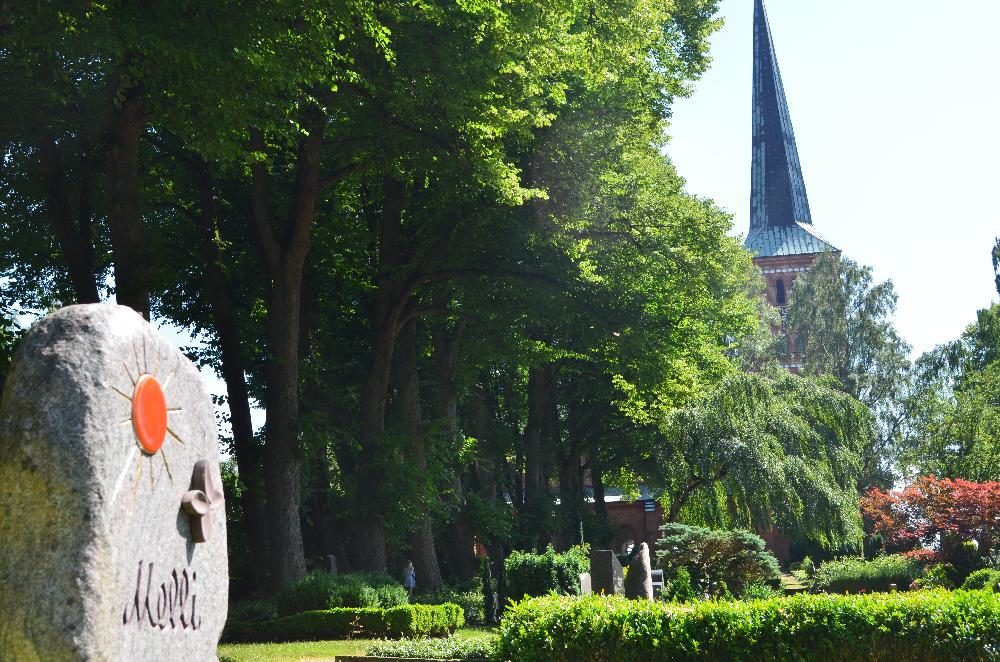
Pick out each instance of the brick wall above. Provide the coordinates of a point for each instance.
(785, 268)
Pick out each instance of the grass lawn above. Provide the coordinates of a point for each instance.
(312, 651)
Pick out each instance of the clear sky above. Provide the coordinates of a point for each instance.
(896, 108)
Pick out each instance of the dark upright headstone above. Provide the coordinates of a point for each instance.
(606, 574)
(658, 584)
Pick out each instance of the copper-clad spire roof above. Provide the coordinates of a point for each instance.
(780, 220)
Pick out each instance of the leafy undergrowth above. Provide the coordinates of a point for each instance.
(467, 646)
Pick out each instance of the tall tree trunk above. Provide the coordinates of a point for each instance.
(498, 558)
(128, 241)
(481, 414)
(248, 455)
(536, 495)
(600, 506)
(421, 539)
(323, 527)
(460, 534)
(72, 231)
(282, 455)
(388, 308)
(285, 253)
(571, 496)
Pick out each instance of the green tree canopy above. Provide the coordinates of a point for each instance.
(953, 425)
(766, 452)
(844, 320)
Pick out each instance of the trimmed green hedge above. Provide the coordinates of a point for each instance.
(468, 596)
(348, 623)
(452, 648)
(854, 574)
(898, 627)
(531, 574)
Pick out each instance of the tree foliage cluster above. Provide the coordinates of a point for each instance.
(437, 242)
(843, 318)
(767, 453)
(953, 404)
(946, 518)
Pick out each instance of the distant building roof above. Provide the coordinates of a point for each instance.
(614, 495)
(787, 240)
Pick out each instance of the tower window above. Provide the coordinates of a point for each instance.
(779, 287)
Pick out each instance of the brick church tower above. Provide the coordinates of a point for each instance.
(781, 234)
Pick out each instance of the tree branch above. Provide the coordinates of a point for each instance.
(260, 209)
(338, 176)
(395, 123)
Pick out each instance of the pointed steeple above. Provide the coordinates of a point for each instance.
(780, 220)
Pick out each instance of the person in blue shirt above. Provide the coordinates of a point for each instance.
(410, 578)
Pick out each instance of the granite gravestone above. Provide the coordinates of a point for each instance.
(585, 586)
(606, 574)
(639, 581)
(111, 520)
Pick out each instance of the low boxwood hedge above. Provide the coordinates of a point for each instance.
(452, 648)
(350, 623)
(901, 627)
(855, 574)
(530, 574)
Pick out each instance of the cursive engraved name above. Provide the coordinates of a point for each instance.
(169, 605)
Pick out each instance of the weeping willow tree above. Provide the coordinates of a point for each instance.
(763, 452)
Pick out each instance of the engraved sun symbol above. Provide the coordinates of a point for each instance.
(149, 418)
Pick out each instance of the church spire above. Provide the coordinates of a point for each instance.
(780, 220)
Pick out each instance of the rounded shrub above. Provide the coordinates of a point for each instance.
(938, 575)
(720, 562)
(985, 579)
(680, 588)
(252, 611)
(531, 574)
(321, 590)
(807, 566)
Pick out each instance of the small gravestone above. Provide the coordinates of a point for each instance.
(585, 586)
(606, 574)
(658, 584)
(112, 530)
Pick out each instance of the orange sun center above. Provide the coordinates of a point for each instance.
(149, 414)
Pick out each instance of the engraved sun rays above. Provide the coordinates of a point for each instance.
(149, 417)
